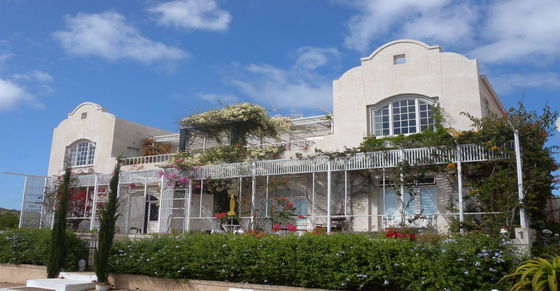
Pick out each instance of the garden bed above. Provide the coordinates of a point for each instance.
(338, 261)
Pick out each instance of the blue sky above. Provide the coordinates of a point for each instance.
(154, 62)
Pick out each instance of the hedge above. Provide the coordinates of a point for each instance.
(30, 246)
(338, 261)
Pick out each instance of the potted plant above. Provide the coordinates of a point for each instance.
(108, 219)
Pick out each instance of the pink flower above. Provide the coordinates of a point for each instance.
(276, 227)
(291, 227)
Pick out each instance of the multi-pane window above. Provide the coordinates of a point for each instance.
(424, 202)
(82, 154)
(421, 199)
(402, 116)
(381, 118)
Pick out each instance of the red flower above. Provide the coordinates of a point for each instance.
(221, 215)
(291, 227)
(276, 227)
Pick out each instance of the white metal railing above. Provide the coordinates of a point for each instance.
(147, 159)
(359, 161)
(289, 145)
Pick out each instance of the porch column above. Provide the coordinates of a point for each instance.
(42, 217)
(201, 192)
(384, 200)
(127, 220)
(521, 194)
(188, 193)
(329, 196)
(239, 196)
(22, 213)
(94, 206)
(266, 198)
(403, 209)
(161, 203)
(253, 191)
(346, 187)
(313, 194)
(460, 186)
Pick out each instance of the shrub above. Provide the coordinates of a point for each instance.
(30, 246)
(540, 274)
(338, 261)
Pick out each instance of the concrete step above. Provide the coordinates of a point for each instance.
(25, 288)
(61, 284)
(82, 276)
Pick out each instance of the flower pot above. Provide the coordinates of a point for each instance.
(102, 286)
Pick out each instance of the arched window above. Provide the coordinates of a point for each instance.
(81, 153)
(404, 115)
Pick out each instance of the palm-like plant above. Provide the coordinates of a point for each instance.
(538, 274)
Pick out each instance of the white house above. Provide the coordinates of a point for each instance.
(391, 92)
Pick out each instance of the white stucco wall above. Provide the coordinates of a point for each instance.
(97, 127)
(112, 137)
(449, 78)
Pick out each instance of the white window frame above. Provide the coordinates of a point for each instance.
(72, 153)
(389, 103)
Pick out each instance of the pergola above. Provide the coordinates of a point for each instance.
(35, 212)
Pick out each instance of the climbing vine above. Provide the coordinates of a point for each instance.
(238, 122)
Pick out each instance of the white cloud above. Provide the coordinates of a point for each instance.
(107, 35)
(300, 86)
(11, 94)
(521, 31)
(501, 30)
(36, 75)
(430, 20)
(219, 98)
(510, 82)
(191, 14)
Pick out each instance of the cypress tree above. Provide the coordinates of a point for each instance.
(57, 248)
(107, 229)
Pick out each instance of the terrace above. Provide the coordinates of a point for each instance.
(328, 192)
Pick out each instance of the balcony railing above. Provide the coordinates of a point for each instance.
(359, 161)
(155, 159)
(158, 159)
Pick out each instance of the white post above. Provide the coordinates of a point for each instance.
(346, 187)
(188, 191)
(85, 201)
(329, 194)
(94, 206)
(127, 221)
(403, 209)
(22, 212)
(161, 203)
(143, 205)
(253, 190)
(42, 217)
(266, 198)
(460, 186)
(521, 194)
(313, 195)
(384, 197)
(201, 192)
(239, 196)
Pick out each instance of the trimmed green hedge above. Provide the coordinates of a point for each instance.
(30, 246)
(338, 261)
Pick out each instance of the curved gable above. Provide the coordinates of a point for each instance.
(86, 106)
(400, 41)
